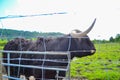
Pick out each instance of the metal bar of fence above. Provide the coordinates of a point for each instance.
(46, 52)
(8, 62)
(37, 67)
(9, 77)
(46, 60)
(38, 52)
(68, 66)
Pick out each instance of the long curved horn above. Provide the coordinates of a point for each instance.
(81, 34)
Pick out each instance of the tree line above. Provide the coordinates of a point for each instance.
(10, 34)
(111, 39)
(116, 39)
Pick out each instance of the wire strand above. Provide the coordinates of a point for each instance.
(21, 16)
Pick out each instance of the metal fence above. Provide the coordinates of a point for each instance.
(8, 64)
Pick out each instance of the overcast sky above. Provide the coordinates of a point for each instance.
(79, 15)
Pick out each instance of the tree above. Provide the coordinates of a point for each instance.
(111, 39)
(117, 38)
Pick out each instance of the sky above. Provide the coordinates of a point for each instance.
(79, 15)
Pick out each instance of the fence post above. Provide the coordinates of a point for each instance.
(8, 61)
(57, 74)
(69, 60)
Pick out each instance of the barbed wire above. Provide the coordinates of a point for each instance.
(21, 16)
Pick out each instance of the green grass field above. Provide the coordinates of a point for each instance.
(103, 65)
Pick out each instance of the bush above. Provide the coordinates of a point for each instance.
(2, 43)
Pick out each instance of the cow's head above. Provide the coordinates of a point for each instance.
(81, 44)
